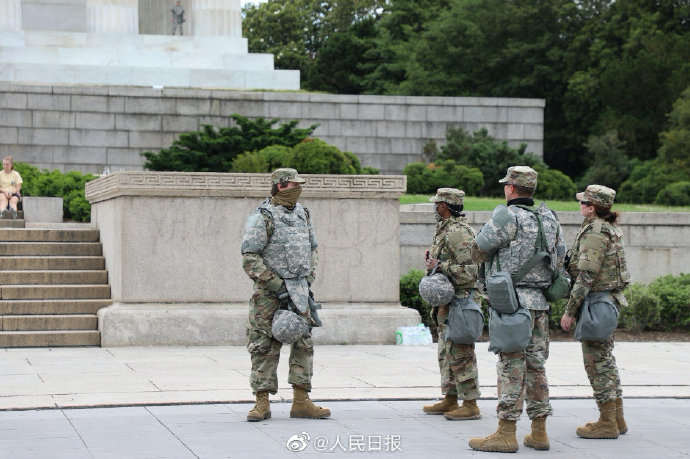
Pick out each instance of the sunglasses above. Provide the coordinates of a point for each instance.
(585, 203)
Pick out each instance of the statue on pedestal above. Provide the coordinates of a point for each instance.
(177, 18)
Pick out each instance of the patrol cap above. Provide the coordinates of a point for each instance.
(448, 195)
(520, 176)
(286, 175)
(600, 195)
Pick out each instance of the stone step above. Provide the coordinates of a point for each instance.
(51, 248)
(50, 322)
(49, 263)
(49, 292)
(45, 235)
(20, 216)
(51, 307)
(4, 223)
(53, 277)
(52, 338)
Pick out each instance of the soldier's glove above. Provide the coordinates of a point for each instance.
(275, 285)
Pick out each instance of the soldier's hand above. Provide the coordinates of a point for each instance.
(567, 322)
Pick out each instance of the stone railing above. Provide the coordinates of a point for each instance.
(172, 247)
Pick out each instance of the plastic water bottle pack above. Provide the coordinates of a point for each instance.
(413, 336)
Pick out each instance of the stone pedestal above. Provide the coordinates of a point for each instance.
(172, 247)
(217, 17)
(112, 16)
(11, 15)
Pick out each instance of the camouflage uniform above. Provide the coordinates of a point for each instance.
(451, 246)
(509, 237)
(597, 263)
(279, 253)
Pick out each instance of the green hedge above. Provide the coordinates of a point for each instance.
(69, 186)
(427, 178)
(311, 156)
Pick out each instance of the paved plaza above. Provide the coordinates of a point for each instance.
(187, 402)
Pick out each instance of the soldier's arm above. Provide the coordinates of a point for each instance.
(314, 264)
(592, 250)
(561, 248)
(496, 233)
(460, 268)
(257, 232)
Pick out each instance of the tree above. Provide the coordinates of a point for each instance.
(213, 150)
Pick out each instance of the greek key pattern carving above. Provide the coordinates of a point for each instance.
(218, 184)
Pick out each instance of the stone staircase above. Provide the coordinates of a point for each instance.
(52, 283)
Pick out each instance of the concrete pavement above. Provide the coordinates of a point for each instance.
(88, 377)
(390, 429)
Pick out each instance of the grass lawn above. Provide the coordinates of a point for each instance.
(473, 203)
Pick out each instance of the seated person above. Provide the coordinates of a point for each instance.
(10, 188)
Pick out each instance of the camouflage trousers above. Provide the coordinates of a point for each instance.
(521, 375)
(600, 365)
(458, 364)
(265, 351)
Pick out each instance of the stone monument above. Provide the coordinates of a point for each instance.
(98, 42)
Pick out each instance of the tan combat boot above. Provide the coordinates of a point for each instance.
(302, 407)
(468, 410)
(620, 420)
(605, 427)
(503, 440)
(262, 408)
(538, 439)
(449, 403)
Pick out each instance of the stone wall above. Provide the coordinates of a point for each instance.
(172, 248)
(656, 244)
(87, 128)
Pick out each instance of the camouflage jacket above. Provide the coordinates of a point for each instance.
(597, 263)
(507, 241)
(266, 256)
(451, 246)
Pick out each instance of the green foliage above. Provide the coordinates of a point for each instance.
(674, 294)
(409, 296)
(647, 179)
(312, 156)
(427, 178)
(556, 312)
(213, 150)
(675, 142)
(609, 164)
(553, 184)
(644, 310)
(675, 194)
(69, 186)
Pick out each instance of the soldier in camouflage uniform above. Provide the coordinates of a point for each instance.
(279, 254)
(450, 255)
(597, 263)
(508, 240)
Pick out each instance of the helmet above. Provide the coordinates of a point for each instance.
(288, 327)
(436, 289)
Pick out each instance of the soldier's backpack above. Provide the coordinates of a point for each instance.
(598, 317)
(465, 321)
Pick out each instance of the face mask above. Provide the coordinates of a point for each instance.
(287, 198)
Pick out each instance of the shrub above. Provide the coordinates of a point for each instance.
(68, 186)
(409, 297)
(647, 179)
(314, 156)
(427, 178)
(213, 150)
(643, 311)
(675, 194)
(553, 184)
(556, 312)
(674, 294)
(610, 165)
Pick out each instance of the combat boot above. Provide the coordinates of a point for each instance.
(620, 420)
(538, 439)
(605, 427)
(302, 407)
(449, 403)
(503, 440)
(262, 408)
(469, 410)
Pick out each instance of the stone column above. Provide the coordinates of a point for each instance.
(217, 17)
(112, 16)
(11, 15)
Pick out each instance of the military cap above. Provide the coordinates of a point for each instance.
(600, 195)
(286, 175)
(520, 176)
(448, 195)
